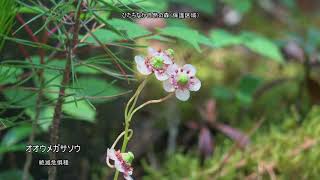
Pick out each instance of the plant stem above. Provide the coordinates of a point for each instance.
(129, 115)
(54, 133)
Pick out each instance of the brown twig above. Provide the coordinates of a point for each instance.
(54, 133)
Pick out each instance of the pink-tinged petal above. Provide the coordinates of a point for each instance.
(119, 166)
(139, 59)
(152, 51)
(127, 177)
(161, 76)
(182, 95)
(195, 86)
(189, 68)
(172, 69)
(167, 86)
(111, 153)
(141, 66)
(166, 59)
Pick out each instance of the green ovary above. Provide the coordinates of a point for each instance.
(128, 157)
(157, 62)
(170, 52)
(183, 79)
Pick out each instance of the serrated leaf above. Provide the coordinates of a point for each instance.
(189, 35)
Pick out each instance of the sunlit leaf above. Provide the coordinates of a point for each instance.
(189, 35)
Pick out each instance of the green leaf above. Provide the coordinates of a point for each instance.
(7, 16)
(45, 116)
(12, 148)
(189, 35)
(222, 93)
(83, 69)
(91, 86)
(15, 135)
(104, 36)
(247, 86)
(206, 41)
(20, 96)
(30, 10)
(262, 46)
(9, 74)
(74, 106)
(132, 29)
(151, 5)
(205, 6)
(159, 38)
(254, 42)
(80, 109)
(242, 6)
(222, 38)
(13, 174)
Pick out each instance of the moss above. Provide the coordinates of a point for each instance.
(289, 150)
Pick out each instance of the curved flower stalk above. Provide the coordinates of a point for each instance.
(176, 79)
(156, 62)
(122, 161)
(182, 80)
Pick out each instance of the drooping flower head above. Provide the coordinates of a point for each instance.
(122, 162)
(156, 62)
(182, 80)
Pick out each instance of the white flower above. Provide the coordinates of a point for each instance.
(156, 62)
(121, 162)
(181, 80)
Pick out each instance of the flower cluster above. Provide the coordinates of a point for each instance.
(122, 162)
(180, 80)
